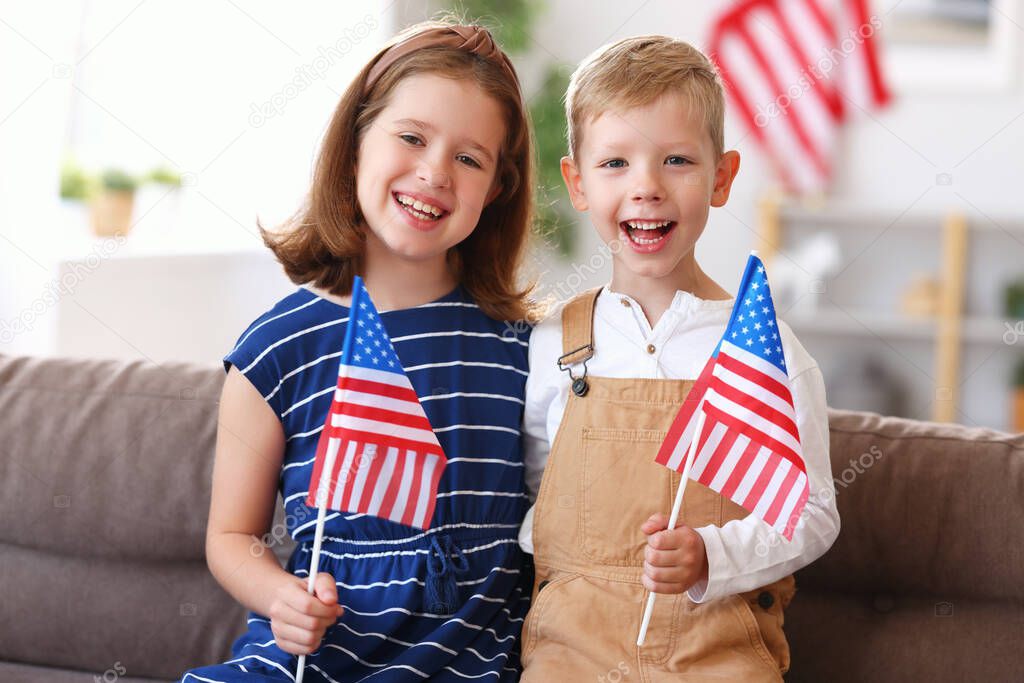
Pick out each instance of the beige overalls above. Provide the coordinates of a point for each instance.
(600, 484)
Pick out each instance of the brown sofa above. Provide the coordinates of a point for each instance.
(104, 487)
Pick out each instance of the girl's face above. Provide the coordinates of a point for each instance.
(427, 167)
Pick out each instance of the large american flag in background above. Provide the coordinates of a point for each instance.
(795, 70)
(377, 453)
(749, 447)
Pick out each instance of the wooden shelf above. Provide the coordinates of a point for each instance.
(832, 214)
(864, 323)
(948, 331)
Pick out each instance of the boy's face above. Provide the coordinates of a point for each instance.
(648, 176)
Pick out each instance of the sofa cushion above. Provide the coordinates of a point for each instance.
(25, 673)
(107, 459)
(926, 509)
(105, 473)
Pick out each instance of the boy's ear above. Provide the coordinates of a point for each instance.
(574, 183)
(725, 173)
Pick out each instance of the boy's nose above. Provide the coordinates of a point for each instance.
(647, 193)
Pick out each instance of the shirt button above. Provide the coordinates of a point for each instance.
(625, 302)
(651, 348)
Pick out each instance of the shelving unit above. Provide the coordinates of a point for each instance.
(947, 332)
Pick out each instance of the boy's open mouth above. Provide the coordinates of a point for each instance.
(418, 209)
(646, 232)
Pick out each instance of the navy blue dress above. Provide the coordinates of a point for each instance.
(470, 374)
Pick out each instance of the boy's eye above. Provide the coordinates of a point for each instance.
(614, 163)
(468, 160)
(677, 161)
(410, 138)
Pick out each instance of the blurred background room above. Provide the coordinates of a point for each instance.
(140, 142)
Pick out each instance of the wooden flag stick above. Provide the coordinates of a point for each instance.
(675, 515)
(314, 567)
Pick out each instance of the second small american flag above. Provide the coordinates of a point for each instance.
(749, 448)
(377, 454)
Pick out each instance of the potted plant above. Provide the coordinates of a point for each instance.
(112, 206)
(77, 186)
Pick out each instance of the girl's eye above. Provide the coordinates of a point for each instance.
(410, 138)
(614, 163)
(469, 161)
(677, 161)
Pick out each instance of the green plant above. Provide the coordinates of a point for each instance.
(1013, 300)
(555, 221)
(75, 183)
(164, 176)
(1018, 374)
(509, 20)
(116, 180)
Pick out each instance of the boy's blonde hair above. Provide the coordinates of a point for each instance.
(634, 72)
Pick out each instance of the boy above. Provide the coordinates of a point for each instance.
(646, 119)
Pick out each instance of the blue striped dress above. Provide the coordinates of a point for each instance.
(470, 373)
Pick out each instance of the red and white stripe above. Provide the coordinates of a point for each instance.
(786, 69)
(377, 454)
(749, 449)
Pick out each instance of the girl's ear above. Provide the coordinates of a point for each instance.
(495, 191)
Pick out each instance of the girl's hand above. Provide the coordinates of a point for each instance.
(298, 619)
(673, 560)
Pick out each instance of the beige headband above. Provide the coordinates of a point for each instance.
(473, 39)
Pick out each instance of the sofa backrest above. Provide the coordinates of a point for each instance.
(105, 472)
(926, 579)
(104, 493)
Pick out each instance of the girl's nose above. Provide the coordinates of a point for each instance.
(439, 179)
(433, 175)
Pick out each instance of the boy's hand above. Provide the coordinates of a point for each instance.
(298, 619)
(673, 560)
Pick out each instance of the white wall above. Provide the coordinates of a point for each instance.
(889, 164)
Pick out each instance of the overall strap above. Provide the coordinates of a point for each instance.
(578, 329)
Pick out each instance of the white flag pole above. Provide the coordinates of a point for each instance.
(323, 485)
(314, 567)
(675, 515)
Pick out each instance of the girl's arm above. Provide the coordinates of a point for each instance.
(250, 450)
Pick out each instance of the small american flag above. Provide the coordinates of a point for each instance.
(793, 69)
(377, 454)
(749, 448)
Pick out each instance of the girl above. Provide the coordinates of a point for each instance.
(422, 187)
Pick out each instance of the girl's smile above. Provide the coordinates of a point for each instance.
(421, 212)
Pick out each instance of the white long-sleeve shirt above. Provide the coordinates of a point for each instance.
(745, 553)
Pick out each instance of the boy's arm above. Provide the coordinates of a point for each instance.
(541, 390)
(746, 553)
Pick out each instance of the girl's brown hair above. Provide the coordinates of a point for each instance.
(323, 242)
